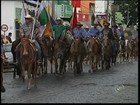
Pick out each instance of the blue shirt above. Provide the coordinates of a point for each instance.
(93, 31)
(79, 32)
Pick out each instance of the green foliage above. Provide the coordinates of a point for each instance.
(131, 6)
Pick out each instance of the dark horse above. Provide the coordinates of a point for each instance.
(47, 51)
(77, 53)
(28, 60)
(60, 56)
(2, 87)
(14, 53)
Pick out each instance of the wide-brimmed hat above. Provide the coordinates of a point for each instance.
(57, 19)
(106, 23)
(79, 24)
(28, 16)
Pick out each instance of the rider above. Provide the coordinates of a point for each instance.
(79, 32)
(108, 31)
(26, 29)
(67, 35)
(58, 28)
(94, 31)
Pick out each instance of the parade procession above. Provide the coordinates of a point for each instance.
(62, 44)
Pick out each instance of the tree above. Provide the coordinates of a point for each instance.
(128, 6)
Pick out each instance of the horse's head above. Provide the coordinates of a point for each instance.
(25, 42)
(106, 41)
(90, 44)
(76, 43)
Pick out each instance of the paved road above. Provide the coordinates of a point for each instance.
(117, 85)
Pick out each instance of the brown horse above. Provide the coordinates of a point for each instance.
(94, 53)
(27, 60)
(106, 52)
(77, 53)
(59, 56)
(2, 87)
(46, 45)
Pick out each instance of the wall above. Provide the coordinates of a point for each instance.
(8, 15)
(85, 5)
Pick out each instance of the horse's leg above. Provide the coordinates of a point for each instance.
(23, 72)
(56, 66)
(51, 61)
(29, 77)
(35, 74)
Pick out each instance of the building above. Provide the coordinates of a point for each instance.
(10, 11)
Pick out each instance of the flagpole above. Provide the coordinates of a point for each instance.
(34, 20)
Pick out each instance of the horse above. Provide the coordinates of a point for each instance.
(77, 53)
(28, 60)
(2, 61)
(106, 52)
(59, 56)
(47, 52)
(94, 52)
(14, 53)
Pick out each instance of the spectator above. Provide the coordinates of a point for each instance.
(9, 37)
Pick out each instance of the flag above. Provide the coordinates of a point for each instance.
(33, 2)
(49, 12)
(48, 32)
(76, 3)
(43, 17)
(101, 22)
(52, 21)
(23, 14)
(73, 21)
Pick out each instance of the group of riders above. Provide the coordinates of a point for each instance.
(62, 31)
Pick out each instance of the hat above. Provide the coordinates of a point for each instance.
(86, 26)
(58, 19)
(66, 24)
(28, 16)
(79, 24)
(106, 23)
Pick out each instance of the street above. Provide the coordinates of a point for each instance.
(117, 85)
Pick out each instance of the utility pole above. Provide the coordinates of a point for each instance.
(107, 11)
(53, 8)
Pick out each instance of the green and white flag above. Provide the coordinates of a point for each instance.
(43, 17)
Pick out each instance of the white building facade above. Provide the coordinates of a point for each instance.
(9, 14)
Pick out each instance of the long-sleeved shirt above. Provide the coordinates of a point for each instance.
(58, 29)
(93, 31)
(79, 32)
(27, 29)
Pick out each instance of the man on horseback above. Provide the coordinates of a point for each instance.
(79, 32)
(26, 30)
(58, 28)
(108, 31)
(94, 31)
(67, 35)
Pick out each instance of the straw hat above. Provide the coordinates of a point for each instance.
(58, 19)
(28, 16)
